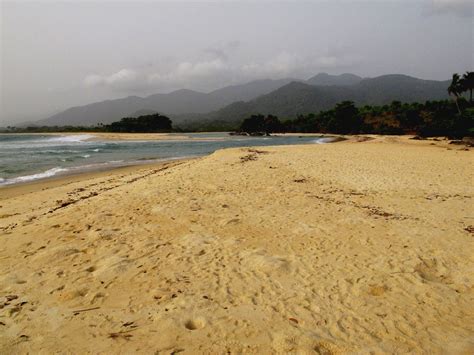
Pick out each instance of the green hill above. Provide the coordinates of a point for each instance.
(300, 98)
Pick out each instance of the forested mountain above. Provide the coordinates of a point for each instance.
(300, 98)
(173, 104)
(285, 98)
(325, 79)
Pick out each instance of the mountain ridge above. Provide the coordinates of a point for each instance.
(325, 79)
(285, 97)
(299, 98)
(178, 102)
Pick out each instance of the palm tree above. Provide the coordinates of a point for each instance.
(467, 83)
(456, 89)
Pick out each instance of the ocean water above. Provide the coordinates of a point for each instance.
(25, 158)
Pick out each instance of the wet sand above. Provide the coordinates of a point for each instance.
(351, 247)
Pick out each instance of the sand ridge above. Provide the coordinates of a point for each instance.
(338, 248)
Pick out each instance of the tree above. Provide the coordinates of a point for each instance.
(142, 124)
(346, 119)
(467, 83)
(272, 124)
(261, 124)
(253, 124)
(456, 89)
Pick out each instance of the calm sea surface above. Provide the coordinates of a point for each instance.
(26, 158)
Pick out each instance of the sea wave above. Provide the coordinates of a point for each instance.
(86, 168)
(324, 140)
(76, 138)
(46, 142)
(57, 151)
(27, 178)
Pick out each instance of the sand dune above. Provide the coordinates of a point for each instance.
(339, 248)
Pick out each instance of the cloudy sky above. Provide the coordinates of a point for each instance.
(60, 54)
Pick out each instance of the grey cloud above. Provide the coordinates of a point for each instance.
(219, 70)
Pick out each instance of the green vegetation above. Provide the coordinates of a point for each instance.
(300, 98)
(261, 124)
(459, 85)
(48, 129)
(141, 124)
(206, 126)
(434, 118)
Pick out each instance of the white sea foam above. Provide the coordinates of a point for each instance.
(48, 143)
(86, 156)
(325, 140)
(76, 138)
(27, 178)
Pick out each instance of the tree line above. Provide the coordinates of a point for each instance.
(155, 123)
(432, 118)
(143, 124)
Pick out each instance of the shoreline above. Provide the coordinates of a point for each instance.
(99, 136)
(8, 191)
(158, 136)
(80, 175)
(183, 136)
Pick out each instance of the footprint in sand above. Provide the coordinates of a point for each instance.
(193, 324)
(69, 295)
(434, 271)
(376, 290)
(268, 263)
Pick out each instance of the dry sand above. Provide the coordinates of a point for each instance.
(339, 248)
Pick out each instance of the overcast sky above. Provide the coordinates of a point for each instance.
(60, 54)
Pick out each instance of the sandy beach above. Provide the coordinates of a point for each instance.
(352, 247)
